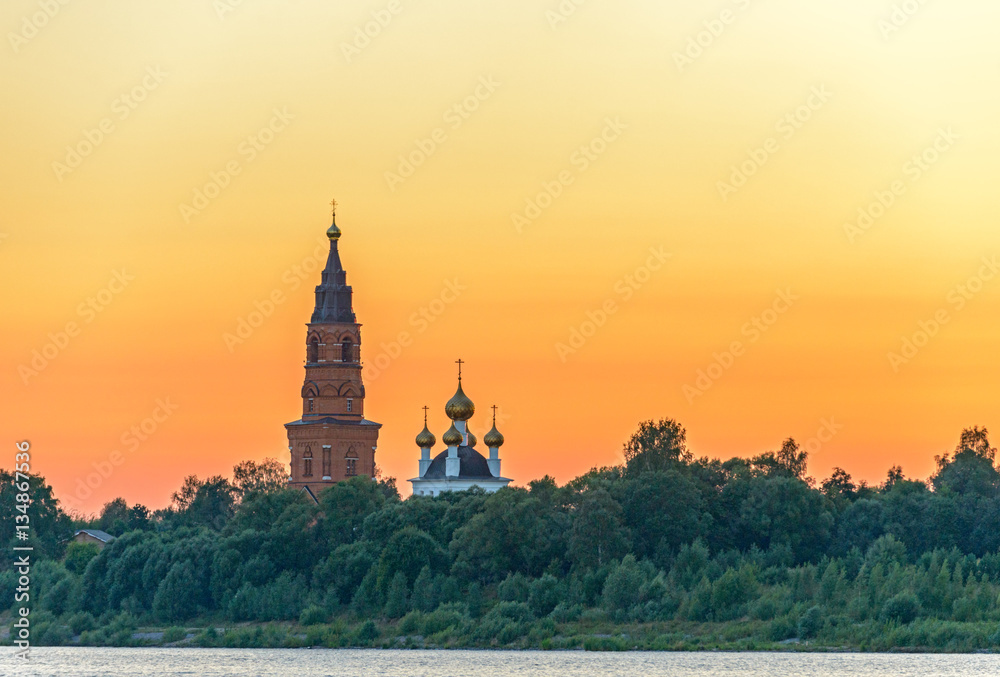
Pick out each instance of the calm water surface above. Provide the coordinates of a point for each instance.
(96, 662)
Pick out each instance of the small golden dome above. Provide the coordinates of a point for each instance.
(472, 438)
(426, 438)
(452, 437)
(460, 407)
(493, 438)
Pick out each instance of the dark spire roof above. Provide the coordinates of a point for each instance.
(333, 295)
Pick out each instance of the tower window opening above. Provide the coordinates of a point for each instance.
(307, 463)
(326, 461)
(350, 404)
(312, 404)
(351, 460)
(313, 352)
(347, 351)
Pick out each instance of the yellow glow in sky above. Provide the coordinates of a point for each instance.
(611, 196)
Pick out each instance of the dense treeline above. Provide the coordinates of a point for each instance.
(665, 551)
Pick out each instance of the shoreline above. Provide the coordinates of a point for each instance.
(918, 651)
(671, 637)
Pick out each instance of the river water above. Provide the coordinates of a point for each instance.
(101, 662)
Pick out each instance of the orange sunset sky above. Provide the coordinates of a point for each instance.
(836, 162)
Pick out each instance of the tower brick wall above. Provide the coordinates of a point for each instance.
(332, 441)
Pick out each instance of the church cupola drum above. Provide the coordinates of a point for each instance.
(332, 441)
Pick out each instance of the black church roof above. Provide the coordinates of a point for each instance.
(472, 465)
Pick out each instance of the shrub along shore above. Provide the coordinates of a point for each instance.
(665, 552)
(592, 634)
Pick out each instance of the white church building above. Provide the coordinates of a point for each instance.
(460, 466)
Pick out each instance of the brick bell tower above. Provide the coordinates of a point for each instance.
(333, 440)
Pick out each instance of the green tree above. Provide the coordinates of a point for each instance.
(907, 514)
(260, 512)
(598, 534)
(50, 527)
(78, 556)
(515, 532)
(732, 590)
(268, 476)
(184, 497)
(621, 589)
(176, 597)
(690, 564)
(860, 523)
(474, 599)
(114, 517)
(396, 604)
(658, 445)
(55, 587)
(839, 486)
(894, 475)
(344, 507)
(770, 511)
(213, 503)
(366, 599)
(971, 469)
(346, 568)
(386, 485)
(886, 550)
(420, 512)
(408, 552)
(515, 588)
(424, 597)
(544, 594)
(811, 622)
(789, 461)
(902, 608)
(138, 517)
(662, 510)
(312, 615)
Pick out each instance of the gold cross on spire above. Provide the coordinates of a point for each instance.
(494, 408)
(425, 414)
(333, 207)
(459, 362)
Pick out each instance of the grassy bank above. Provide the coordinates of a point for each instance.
(451, 627)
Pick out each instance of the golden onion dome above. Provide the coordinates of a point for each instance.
(460, 407)
(452, 437)
(493, 438)
(333, 232)
(426, 438)
(472, 438)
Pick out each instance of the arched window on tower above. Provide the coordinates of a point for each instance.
(312, 355)
(326, 462)
(307, 462)
(347, 351)
(351, 459)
